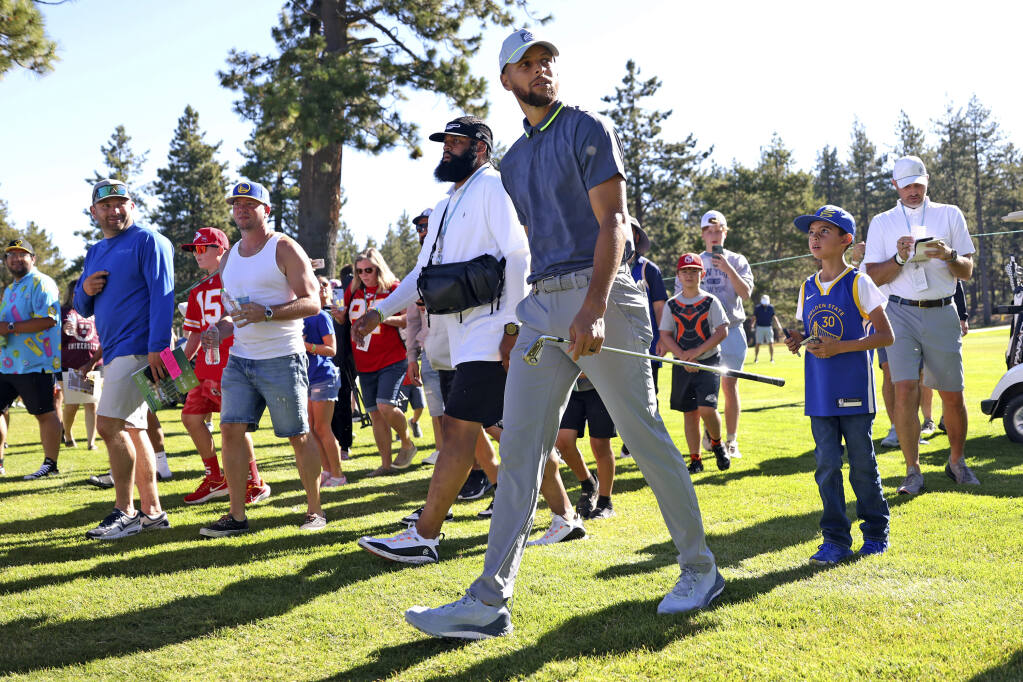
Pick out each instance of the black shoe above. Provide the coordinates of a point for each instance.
(695, 466)
(224, 526)
(476, 486)
(410, 519)
(603, 510)
(102, 480)
(48, 468)
(941, 424)
(721, 456)
(587, 497)
(488, 512)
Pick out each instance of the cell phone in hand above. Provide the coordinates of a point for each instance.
(717, 249)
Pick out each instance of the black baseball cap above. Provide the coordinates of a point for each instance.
(467, 126)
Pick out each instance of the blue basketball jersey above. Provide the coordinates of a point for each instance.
(844, 383)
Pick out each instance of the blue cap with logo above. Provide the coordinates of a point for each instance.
(835, 215)
(517, 43)
(251, 190)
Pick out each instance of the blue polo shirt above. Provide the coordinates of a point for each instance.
(548, 174)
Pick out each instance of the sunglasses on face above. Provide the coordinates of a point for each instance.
(201, 248)
(111, 191)
(365, 271)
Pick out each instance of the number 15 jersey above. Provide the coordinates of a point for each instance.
(203, 309)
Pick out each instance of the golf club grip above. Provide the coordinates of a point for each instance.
(775, 381)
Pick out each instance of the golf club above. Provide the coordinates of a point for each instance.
(535, 350)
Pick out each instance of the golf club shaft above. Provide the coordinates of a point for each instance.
(723, 371)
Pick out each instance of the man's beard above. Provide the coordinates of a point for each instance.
(458, 168)
(536, 99)
(19, 270)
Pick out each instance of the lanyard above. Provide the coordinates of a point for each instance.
(439, 242)
(905, 216)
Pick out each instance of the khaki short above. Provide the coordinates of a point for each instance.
(121, 398)
(932, 335)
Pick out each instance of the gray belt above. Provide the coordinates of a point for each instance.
(573, 280)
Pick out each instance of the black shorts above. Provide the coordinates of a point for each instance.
(477, 392)
(586, 406)
(446, 376)
(690, 390)
(35, 389)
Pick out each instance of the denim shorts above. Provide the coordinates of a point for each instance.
(280, 384)
(384, 385)
(325, 389)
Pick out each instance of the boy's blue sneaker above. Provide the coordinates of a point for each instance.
(873, 547)
(830, 553)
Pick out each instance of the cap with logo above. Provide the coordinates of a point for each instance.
(909, 170)
(515, 45)
(690, 261)
(834, 215)
(105, 189)
(19, 245)
(467, 126)
(423, 218)
(207, 236)
(713, 218)
(251, 190)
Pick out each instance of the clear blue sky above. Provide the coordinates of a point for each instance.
(734, 73)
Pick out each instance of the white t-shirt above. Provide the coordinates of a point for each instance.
(716, 282)
(928, 280)
(867, 292)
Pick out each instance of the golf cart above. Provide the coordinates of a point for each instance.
(1006, 399)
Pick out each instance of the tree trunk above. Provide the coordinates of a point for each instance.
(319, 204)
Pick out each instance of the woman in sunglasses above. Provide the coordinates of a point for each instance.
(380, 360)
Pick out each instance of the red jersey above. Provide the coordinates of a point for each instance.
(78, 339)
(385, 344)
(203, 309)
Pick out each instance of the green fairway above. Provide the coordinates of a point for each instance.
(946, 602)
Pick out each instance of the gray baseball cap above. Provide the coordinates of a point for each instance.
(104, 189)
(517, 43)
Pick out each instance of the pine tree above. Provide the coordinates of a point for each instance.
(191, 190)
(23, 39)
(870, 183)
(48, 258)
(830, 180)
(343, 70)
(401, 245)
(275, 164)
(123, 164)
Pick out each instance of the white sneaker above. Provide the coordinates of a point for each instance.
(467, 618)
(732, 450)
(928, 428)
(695, 589)
(561, 531)
(407, 547)
(313, 522)
(706, 442)
(891, 440)
(432, 458)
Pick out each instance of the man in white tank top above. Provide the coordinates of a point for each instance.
(270, 289)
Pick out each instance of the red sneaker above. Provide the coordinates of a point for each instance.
(207, 490)
(257, 492)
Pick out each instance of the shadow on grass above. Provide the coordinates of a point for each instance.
(1010, 670)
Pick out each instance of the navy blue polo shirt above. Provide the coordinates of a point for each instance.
(548, 174)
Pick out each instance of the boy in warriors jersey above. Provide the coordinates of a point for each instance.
(843, 315)
(692, 326)
(205, 308)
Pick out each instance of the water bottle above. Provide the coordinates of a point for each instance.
(213, 356)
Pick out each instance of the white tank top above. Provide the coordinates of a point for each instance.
(257, 279)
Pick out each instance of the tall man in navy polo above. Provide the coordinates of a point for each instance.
(566, 179)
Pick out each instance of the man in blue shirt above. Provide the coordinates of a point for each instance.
(127, 282)
(566, 178)
(30, 353)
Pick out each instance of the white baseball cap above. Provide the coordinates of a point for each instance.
(515, 45)
(765, 300)
(909, 170)
(713, 218)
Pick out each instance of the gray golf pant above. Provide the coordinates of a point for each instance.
(536, 396)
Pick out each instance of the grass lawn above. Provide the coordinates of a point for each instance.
(946, 602)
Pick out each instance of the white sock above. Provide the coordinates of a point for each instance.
(161, 464)
(731, 437)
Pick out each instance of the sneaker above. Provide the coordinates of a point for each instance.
(695, 589)
(102, 481)
(723, 460)
(873, 547)
(476, 486)
(407, 547)
(158, 522)
(48, 468)
(209, 489)
(411, 519)
(705, 442)
(324, 475)
(486, 513)
(405, 457)
(314, 522)
(334, 481)
(560, 531)
(602, 511)
(3, 472)
(417, 431)
(625, 451)
(116, 525)
(164, 477)
(695, 466)
(382, 471)
(467, 618)
(255, 493)
(912, 484)
(830, 553)
(431, 459)
(961, 473)
(344, 456)
(941, 424)
(891, 440)
(587, 497)
(224, 526)
(927, 428)
(732, 450)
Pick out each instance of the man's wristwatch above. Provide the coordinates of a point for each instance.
(10, 327)
(899, 260)
(953, 257)
(268, 313)
(511, 329)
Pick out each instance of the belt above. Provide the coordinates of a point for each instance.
(934, 303)
(573, 280)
